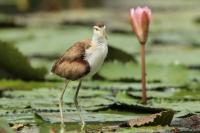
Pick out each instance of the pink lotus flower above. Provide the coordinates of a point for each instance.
(140, 20)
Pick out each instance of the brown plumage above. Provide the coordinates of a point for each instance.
(100, 25)
(72, 65)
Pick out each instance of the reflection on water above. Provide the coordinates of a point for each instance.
(71, 127)
(62, 129)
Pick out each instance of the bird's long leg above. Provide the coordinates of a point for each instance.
(77, 106)
(61, 102)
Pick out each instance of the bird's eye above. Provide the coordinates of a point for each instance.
(96, 29)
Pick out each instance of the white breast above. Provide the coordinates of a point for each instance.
(95, 56)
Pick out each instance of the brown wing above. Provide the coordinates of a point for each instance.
(71, 65)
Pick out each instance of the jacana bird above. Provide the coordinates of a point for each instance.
(81, 60)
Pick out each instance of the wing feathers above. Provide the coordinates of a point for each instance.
(72, 64)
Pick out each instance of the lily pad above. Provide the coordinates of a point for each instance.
(170, 94)
(72, 117)
(162, 118)
(166, 74)
(19, 68)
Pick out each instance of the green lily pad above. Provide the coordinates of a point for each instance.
(166, 74)
(170, 94)
(24, 85)
(19, 68)
(24, 118)
(179, 55)
(72, 117)
(186, 106)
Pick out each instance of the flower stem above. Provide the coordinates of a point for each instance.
(144, 91)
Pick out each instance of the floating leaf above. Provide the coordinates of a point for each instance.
(118, 54)
(175, 94)
(17, 65)
(177, 55)
(137, 108)
(155, 73)
(162, 118)
(26, 85)
(186, 106)
(73, 117)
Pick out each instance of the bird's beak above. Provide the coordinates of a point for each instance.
(105, 35)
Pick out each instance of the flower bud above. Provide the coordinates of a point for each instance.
(140, 19)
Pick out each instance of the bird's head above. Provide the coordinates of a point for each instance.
(99, 30)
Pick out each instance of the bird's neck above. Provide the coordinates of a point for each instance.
(99, 40)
